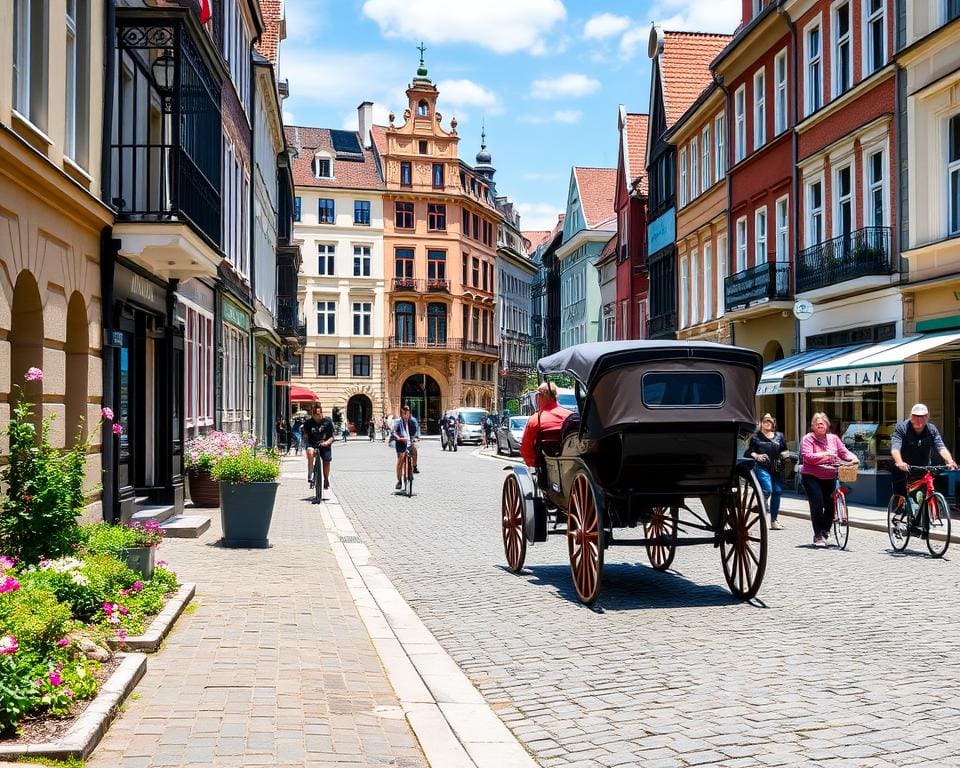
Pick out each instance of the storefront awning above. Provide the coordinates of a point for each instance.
(876, 364)
(301, 394)
(772, 379)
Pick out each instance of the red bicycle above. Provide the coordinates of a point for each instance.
(923, 511)
(846, 473)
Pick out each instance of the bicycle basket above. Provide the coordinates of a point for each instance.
(847, 473)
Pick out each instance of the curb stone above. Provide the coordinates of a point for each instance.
(161, 625)
(91, 726)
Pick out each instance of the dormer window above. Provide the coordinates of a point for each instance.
(423, 109)
(322, 166)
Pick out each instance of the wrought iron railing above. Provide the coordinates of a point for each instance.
(764, 282)
(861, 253)
(290, 324)
(406, 284)
(438, 342)
(659, 326)
(435, 285)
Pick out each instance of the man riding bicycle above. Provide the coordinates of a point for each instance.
(406, 431)
(318, 435)
(913, 443)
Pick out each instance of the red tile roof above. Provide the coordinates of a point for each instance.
(608, 250)
(536, 236)
(347, 174)
(637, 150)
(685, 68)
(269, 44)
(598, 188)
(379, 134)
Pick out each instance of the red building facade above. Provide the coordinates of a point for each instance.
(631, 209)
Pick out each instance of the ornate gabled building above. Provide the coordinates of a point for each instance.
(440, 240)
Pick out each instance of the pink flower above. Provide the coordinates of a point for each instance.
(68, 692)
(55, 679)
(114, 620)
(63, 642)
(33, 374)
(9, 584)
(161, 563)
(108, 609)
(123, 611)
(137, 586)
(8, 645)
(117, 429)
(6, 562)
(107, 413)
(124, 592)
(121, 634)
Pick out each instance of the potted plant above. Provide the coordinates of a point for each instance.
(200, 454)
(248, 490)
(134, 544)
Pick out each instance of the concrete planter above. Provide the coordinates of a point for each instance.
(141, 560)
(245, 513)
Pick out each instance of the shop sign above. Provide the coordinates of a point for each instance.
(662, 231)
(768, 388)
(232, 314)
(199, 293)
(129, 285)
(855, 377)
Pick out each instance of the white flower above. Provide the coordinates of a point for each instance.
(79, 579)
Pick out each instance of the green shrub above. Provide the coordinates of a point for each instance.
(248, 467)
(107, 575)
(113, 539)
(19, 694)
(35, 617)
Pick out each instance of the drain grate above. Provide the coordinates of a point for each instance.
(350, 540)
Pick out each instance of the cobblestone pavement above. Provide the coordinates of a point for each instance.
(273, 667)
(848, 658)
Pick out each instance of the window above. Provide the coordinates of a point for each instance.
(843, 193)
(842, 50)
(705, 149)
(707, 281)
(436, 265)
(438, 175)
(437, 216)
(684, 292)
(722, 266)
(405, 323)
(783, 229)
(720, 158)
(361, 261)
(361, 365)
(953, 173)
(325, 259)
(198, 365)
(740, 123)
(694, 169)
(361, 212)
(296, 209)
(780, 93)
(326, 365)
(874, 203)
(760, 108)
(403, 216)
(362, 311)
(815, 213)
(875, 33)
(422, 147)
(423, 109)
(741, 244)
(403, 264)
(406, 175)
(694, 287)
(326, 318)
(436, 323)
(326, 210)
(760, 236)
(30, 60)
(476, 272)
(814, 84)
(681, 389)
(77, 117)
(683, 177)
(465, 223)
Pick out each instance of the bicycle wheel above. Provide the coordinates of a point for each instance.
(408, 480)
(898, 522)
(841, 523)
(938, 525)
(317, 480)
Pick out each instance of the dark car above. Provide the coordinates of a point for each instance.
(509, 434)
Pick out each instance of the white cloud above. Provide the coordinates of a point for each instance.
(605, 25)
(304, 19)
(466, 93)
(687, 15)
(503, 26)
(538, 216)
(334, 77)
(568, 116)
(565, 86)
(289, 118)
(633, 39)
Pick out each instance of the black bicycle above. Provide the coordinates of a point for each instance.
(317, 477)
(407, 470)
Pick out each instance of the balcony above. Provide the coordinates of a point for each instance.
(435, 285)
(863, 253)
(416, 285)
(662, 326)
(165, 151)
(762, 283)
(427, 342)
(290, 325)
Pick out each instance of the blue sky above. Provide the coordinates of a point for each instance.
(545, 76)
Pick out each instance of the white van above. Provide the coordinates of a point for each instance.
(566, 398)
(471, 424)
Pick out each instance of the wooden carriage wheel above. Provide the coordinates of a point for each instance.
(584, 542)
(512, 522)
(663, 526)
(743, 540)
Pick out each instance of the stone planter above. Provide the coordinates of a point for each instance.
(245, 513)
(204, 490)
(141, 560)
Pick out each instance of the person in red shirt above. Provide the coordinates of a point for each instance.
(549, 416)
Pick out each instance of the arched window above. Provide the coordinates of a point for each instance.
(437, 324)
(405, 323)
(423, 109)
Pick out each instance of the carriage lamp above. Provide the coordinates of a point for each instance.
(164, 69)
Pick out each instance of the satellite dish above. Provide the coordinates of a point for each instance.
(655, 42)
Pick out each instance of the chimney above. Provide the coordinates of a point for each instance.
(365, 122)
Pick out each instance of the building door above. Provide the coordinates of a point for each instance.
(422, 393)
(359, 413)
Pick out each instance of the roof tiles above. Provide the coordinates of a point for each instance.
(685, 68)
(637, 150)
(598, 188)
(347, 174)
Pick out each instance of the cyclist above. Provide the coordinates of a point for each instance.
(319, 436)
(913, 443)
(405, 429)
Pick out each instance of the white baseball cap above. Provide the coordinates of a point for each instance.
(919, 410)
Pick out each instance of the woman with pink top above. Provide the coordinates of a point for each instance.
(820, 451)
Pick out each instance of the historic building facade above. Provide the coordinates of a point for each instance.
(631, 209)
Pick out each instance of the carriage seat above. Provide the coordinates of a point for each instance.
(550, 441)
(571, 426)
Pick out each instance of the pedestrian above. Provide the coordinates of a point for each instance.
(372, 430)
(297, 435)
(768, 448)
(820, 450)
(283, 438)
(319, 435)
(487, 429)
(345, 433)
(913, 444)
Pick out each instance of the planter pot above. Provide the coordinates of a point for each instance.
(141, 560)
(204, 490)
(245, 513)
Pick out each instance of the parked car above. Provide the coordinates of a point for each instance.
(566, 398)
(510, 434)
(471, 424)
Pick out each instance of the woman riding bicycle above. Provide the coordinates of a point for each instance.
(820, 451)
(406, 431)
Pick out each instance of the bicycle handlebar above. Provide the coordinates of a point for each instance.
(933, 469)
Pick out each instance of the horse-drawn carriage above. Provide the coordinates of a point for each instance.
(660, 423)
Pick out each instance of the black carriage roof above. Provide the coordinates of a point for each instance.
(585, 362)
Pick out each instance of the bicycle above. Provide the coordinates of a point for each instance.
(841, 522)
(317, 477)
(408, 470)
(923, 511)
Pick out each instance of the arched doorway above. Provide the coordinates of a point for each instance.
(77, 350)
(468, 399)
(359, 413)
(422, 393)
(26, 343)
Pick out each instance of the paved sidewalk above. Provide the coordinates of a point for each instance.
(274, 666)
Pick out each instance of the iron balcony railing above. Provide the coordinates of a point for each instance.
(440, 342)
(764, 282)
(861, 253)
(417, 285)
(660, 326)
(290, 324)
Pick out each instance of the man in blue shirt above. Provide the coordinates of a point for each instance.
(406, 431)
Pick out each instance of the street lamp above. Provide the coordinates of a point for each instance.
(164, 70)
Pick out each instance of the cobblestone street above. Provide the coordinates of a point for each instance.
(847, 658)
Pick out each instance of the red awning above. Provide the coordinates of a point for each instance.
(300, 393)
